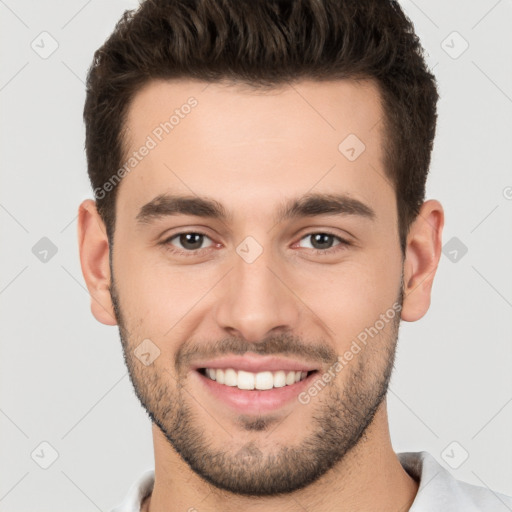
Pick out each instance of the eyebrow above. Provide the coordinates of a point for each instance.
(309, 205)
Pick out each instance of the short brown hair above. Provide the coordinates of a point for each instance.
(266, 43)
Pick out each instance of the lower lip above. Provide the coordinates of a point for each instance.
(255, 401)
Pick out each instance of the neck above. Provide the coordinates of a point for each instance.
(369, 478)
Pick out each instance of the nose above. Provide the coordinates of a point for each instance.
(257, 300)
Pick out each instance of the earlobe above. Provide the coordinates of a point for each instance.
(94, 260)
(423, 250)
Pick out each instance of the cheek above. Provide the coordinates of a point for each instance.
(353, 297)
(156, 296)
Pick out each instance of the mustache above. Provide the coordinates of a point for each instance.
(285, 345)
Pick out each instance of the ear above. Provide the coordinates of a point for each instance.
(94, 259)
(423, 250)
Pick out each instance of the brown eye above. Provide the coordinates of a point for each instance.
(191, 241)
(323, 241)
(188, 241)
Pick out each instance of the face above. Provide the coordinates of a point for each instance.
(256, 245)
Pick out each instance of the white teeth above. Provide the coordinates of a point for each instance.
(245, 380)
(261, 380)
(290, 378)
(230, 378)
(279, 379)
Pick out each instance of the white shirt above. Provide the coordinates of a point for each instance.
(438, 490)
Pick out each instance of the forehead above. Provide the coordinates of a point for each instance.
(228, 141)
(321, 107)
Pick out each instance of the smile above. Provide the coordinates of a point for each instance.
(249, 380)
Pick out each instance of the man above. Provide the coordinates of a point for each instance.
(259, 230)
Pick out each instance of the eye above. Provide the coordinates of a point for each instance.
(323, 242)
(191, 242)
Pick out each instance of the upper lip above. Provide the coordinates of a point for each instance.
(255, 364)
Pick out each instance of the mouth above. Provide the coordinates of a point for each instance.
(259, 381)
(253, 385)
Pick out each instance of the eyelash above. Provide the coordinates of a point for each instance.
(166, 243)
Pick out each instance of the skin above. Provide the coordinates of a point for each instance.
(250, 151)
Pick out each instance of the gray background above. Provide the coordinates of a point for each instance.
(63, 380)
